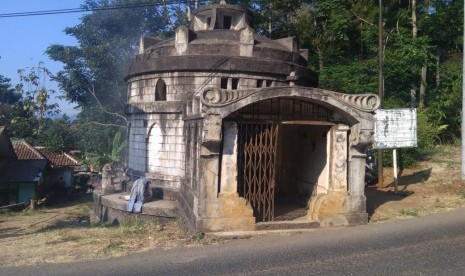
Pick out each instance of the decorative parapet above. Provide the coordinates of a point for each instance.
(362, 102)
(215, 97)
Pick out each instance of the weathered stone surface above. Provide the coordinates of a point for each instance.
(338, 209)
(112, 208)
(209, 77)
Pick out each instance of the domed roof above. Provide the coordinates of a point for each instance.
(222, 32)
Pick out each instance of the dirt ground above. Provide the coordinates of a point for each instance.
(432, 186)
(64, 233)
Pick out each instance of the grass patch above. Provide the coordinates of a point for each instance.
(134, 227)
(410, 213)
(6, 213)
(444, 155)
(199, 236)
(64, 237)
(439, 204)
(114, 245)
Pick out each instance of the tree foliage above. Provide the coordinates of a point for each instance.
(94, 71)
(341, 35)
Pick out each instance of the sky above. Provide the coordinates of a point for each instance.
(24, 39)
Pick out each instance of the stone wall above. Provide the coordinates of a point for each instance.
(184, 85)
(156, 147)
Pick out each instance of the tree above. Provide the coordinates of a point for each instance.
(94, 71)
(323, 27)
(9, 99)
(57, 135)
(8, 95)
(35, 95)
(108, 41)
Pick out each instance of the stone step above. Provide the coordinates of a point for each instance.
(281, 225)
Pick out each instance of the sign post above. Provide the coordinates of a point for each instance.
(395, 128)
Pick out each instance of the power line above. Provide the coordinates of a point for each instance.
(83, 9)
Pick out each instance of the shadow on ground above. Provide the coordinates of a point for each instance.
(10, 232)
(414, 178)
(44, 218)
(377, 197)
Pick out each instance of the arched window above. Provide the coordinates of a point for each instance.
(154, 149)
(160, 91)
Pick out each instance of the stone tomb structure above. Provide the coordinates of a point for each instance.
(234, 123)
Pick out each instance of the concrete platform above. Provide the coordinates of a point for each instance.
(112, 208)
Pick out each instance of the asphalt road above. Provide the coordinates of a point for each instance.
(431, 245)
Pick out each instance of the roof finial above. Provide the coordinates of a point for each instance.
(223, 2)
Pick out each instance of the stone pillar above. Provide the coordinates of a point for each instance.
(220, 210)
(338, 207)
(107, 185)
(229, 159)
(338, 159)
(357, 172)
(181, 40)
(246, 42)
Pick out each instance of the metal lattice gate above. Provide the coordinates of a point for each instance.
(256, 166)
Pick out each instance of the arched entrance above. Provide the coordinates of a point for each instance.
(281, 155)
(292, 142)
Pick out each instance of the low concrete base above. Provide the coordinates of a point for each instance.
(338, 209)
(226, 213)
(286, 225)
(112, 209)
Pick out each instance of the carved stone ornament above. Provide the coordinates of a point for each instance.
(363, 102)
(361, 137)
(214, 97)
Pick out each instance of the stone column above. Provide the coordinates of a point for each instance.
(107, 185)
(220, 210)
(338, 207)
(338, 159)
(228, 183)
(357, 172)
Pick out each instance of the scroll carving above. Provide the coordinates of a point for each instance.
(363, 102)
(214, 97)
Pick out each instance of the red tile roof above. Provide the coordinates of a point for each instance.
(59, 159)
(26, 151)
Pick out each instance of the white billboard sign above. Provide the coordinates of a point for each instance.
(395, 128)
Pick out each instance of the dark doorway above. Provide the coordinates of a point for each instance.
(300, 165)
(282, 155)
(279, 166)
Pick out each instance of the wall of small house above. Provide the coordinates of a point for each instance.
(65, 172)
(26, 191)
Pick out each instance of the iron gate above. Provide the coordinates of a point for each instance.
(256, 166)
